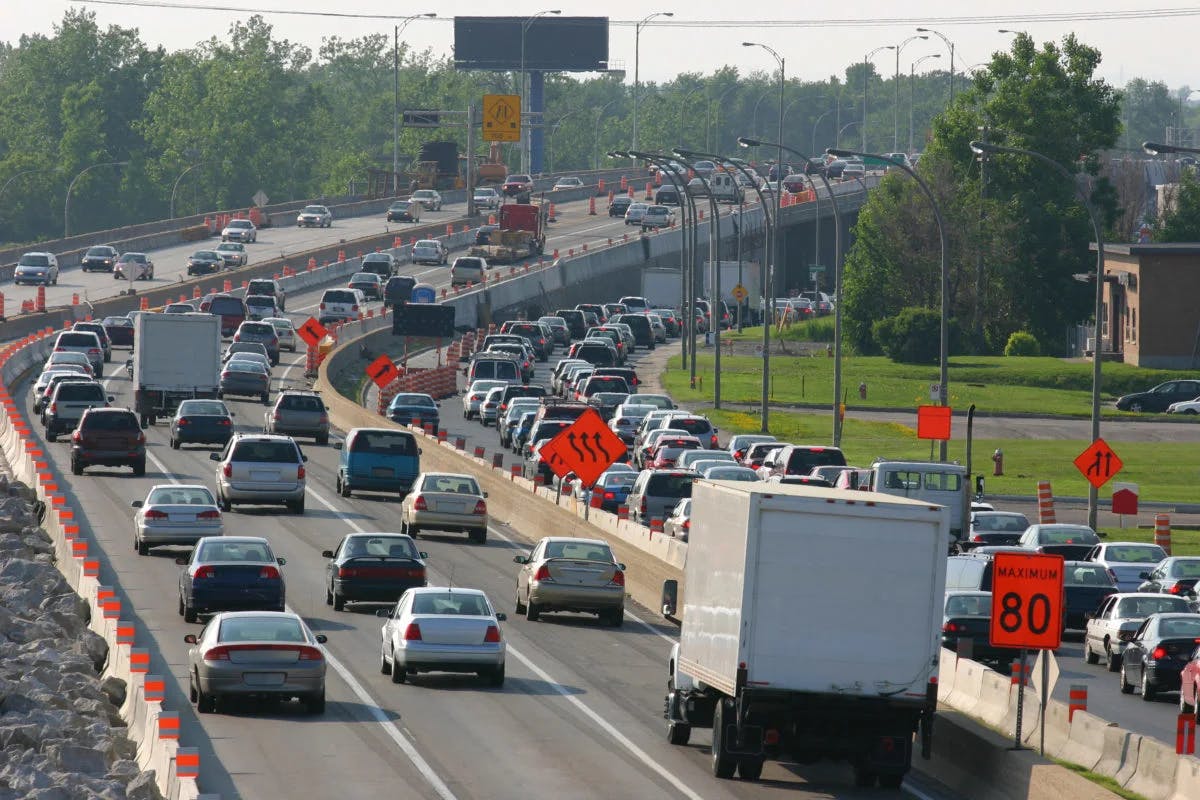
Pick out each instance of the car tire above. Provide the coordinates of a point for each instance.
(224, 504)
(76, 466)
(1149, 692)
(189, 613)
(479, 536)
(316, 703)
(339, 602)
(533, 611)
(174, 443)
(142, 547)
(1126, 686)
(518, 606)
(205, 703)
(323, 440)
(723, 764)
(296, 506)
(1113, 661)
(614, 618)
(1088, 656)
(343, 487)
(139, 468)
(891, 780)
(328, 596)
(495, 677)
(397, 671)
(750, 769)
(266, 398)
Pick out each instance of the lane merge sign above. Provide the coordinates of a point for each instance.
(1027, 600)
(1098, 463)
(587, 448)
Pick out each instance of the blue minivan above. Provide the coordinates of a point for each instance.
(378, 460)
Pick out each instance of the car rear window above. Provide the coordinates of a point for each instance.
(803, 459)
(110, 421)
(669, 485)
(1067, 536)
(340, 296)
(258, 328)
(595, 353)
(260, 300)
(384, 443)
(469, 263)
(490, 369)
(582, 551)
(77, 339)
(33, 261)
(301, 403)
(691, 425)
(261, 287)
(253, 629)
(80, 391)
(231, 306)
(203, 408)
(266, 451)
(1086, 576)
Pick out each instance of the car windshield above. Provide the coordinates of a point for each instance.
(180, 496)
(454, 603)
(450, 484)
(118, 322)
(364, 277)
(203, 408)
(233, 550)
(314, 210)
(391, 443)
(1067, 536)
(235, 246)
(1179, 626)
(227, 305)
(414, 400)
(670, 485)
(1131, 607)
(1134, 554)
(110, 421)
(267, 451)
(427, 243)
(245, 365)
(1081, 575)
(239, 223)
(374, 546)
(261, 629)
(102, 252)
(969, 605)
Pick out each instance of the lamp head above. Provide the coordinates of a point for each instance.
(979, 148)
(838, 153)
(1154, 148)
(668, 13)
(430, 14)
(749, 44)
(746, 141)
(922, 30)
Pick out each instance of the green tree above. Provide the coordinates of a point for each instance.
(1181, 222)
(1147, 109)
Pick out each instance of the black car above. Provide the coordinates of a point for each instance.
(1085, 585)
(619, 205)
(372, 568)
(101, 257)
(201, 422)
(1156, 655)
(483, 234)
(398, 289)
(606, 403)
(1161, 396)
(119, 331)
(968, 615)
(205, 262)
(994, 528)
(575, 321)
(1176, 575)
(834, 169)
(408, 406)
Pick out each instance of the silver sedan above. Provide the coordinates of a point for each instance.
(175, 514)
(567, 574)
(447, 502)
(256, 654)
(435, 629)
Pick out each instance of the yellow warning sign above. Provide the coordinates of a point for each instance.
(501, 118)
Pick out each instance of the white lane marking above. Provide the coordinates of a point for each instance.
(607, 727)
(628, 613)
(917, 793)
(162, 468)
(349, 522)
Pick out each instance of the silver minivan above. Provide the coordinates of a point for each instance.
(656, 492)
(260, 469)
(467, 269)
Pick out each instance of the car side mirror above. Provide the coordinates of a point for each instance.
(485, 494)
(520, 560)
(337, 445)
(326, 554)
(281, 560)
(1144, 576)
(501, 616)
(322, 638)
(190, 638)
(232, 414)
(385, 613)
(181, 561)
(420, 451)
(214, 456)
(670, 597)
(136, 504)
(304, 459)
(620, 566)
(111, 398)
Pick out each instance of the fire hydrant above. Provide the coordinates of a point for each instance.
(862, 391)
(998, 460)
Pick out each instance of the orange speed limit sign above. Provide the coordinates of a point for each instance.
(1027, 601)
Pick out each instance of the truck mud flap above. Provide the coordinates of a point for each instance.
(745, 740)
(891, 753)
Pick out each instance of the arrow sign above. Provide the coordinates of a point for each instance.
(311, 332)
(1098, 463)
(382, 371)
(587, 448)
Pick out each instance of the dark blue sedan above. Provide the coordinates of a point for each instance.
(611, 489)
(372, 568)
(230, 573)
(406, 407)
(201, 422)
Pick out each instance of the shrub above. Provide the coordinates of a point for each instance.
(911, 337)
(1022, 343)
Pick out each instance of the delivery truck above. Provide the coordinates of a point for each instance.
(811, 628)
(662, 287)
(177, 357)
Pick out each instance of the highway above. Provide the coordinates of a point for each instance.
(580, 714)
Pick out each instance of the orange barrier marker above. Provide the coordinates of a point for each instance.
(630, 190)
(553, 214)
(492, 221)
(312, 264)
(1076, 700)
(1045, 503)
(649, 191)
(74, 298)
(228, 285)
(195, 292)
(1185, 734)
(187, 762)
(1162, 531)
(341, 255)
(600, 188)
(41, 298)
(144, 305)
(592, 206)
(624, 183)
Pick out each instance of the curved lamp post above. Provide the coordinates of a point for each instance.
(67, 200)
(396, 31)
(950, 45)
(866, 75)
(944, 346)
(987, 147)
(896, 92)
(683, 107)
(175, 186)
(22, 173)
(637, 44)
(912, 94)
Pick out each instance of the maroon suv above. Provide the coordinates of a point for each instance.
(109, 437)
(517, 185)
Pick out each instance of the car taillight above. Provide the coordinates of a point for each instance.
(277, 416)
(413, 632)
(209, 515)
(227, 470)
(644, 509)
(610, 495)
(237, 337)
(738, 454)
(300, 472)
(225, 422)
(419, 504)
(155, 514)
(347, 572)
(60, 349)
(76, 437)
(324, 420)
(492, 635)
(305, 653)
(618, 578)
(269, 573)
(322, 306)
(543, 574)
(54, 408)
(687, 524)
(225, 374)
(713, 439)
(354, 307)
(950, 627)
(480, 507)
(183, 421)
(1176, 589)
(1158, 653)
(204, 572)
(219, 653)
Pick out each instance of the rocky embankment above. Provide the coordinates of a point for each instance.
(61, 736)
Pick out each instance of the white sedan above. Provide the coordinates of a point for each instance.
(1185, 407)
(175, 514)
(310, 216)
(436, 629)
(239, 230)
(486, 197)
(568, 183)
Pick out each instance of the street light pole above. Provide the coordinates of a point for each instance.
(768, 280)
(176, 184)
(866, 74)
(896, 93)
(950, 45)
(637, 43)
(4, 188)
(67, 200)
(944, 348)
(714, 271)
(683, 106)
(396, 31)
(716, 126)
(525, 133)
(912, 94)
(596, 134)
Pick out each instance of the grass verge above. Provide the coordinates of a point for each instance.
(1100, 780)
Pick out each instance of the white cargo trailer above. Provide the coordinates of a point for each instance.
(811, 628)
(176, 357)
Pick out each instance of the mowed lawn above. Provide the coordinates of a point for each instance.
(1164, 471)
(992, 383)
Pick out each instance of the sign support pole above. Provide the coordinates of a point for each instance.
(1045, 687)
(1020, 701)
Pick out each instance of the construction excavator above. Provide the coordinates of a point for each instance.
(493, 170)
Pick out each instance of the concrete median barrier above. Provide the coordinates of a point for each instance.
(1187, 779)
(1119, 758)
(1154, 777)
(1086, 741)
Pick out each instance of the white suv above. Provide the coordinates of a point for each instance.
(341, 305)
(260, 469)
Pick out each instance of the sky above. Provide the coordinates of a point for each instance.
(1152, 42)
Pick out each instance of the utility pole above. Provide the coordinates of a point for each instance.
(980, 283)
(470, 177)
(395, 110)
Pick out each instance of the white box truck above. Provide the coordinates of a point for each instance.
(175, 357)
(811, 628)
(662, 287)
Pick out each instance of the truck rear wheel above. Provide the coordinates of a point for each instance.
(864, 777)
(678, 733)
(891, 780)
(723, 764)
(750, 769)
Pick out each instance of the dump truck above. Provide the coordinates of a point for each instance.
(779, 657)
(522, 234)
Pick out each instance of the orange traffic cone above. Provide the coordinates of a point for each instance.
(592, 206)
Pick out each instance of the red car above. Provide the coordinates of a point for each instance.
(516, 185)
